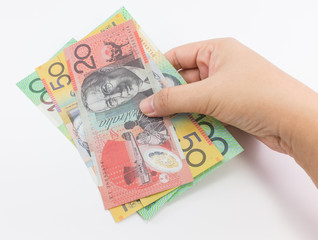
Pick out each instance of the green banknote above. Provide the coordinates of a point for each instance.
(34, 89)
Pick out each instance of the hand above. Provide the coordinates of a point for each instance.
(235, 85)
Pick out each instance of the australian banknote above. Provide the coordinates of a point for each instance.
(184, 122)
(127, 209)
(136, 155)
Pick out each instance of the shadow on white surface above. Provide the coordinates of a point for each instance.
(287, 182)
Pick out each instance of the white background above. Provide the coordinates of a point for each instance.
(45, 190)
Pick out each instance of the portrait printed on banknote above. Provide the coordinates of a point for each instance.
(111, 87)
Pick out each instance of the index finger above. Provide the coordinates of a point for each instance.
(187, 56)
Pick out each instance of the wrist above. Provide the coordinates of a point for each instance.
(299, 130)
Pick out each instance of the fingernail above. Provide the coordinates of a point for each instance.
(146, 105)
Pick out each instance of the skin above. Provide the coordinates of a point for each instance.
(235, 85)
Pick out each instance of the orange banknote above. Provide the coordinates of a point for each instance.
(137, 156)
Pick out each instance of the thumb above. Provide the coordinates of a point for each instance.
(191, 97)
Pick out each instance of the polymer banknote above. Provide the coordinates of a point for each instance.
(211, 154)
(137, 156)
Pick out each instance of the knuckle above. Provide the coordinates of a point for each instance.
(203, 59)
(204, 54)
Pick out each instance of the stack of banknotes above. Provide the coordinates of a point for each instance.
(91, 91)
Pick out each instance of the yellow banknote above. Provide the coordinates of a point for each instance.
(55, 77)
(56, 80)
